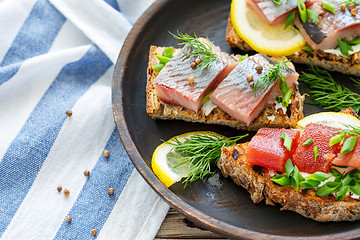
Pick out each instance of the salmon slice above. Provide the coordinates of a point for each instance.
(271, 12)
(304, 157)
(172, 85)
(237, 98)
(324, 35)
(351, 159)
(266, 149)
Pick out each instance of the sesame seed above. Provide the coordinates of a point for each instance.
(191, 80)
(86, 173)
(66, 192)
(68, 219)
(106, 153)
(68, 113)
(59, 188)
(94, 232)
(110, 191)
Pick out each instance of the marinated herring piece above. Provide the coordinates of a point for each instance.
(331, 27)
(351, 159)
(172, 85)
(235, 95)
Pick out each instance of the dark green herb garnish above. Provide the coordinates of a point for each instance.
(346, 46)
(308, 48)
(278, 2)
(328, 93)
(308, 142)
(200, 49)
(290, 19)
(201, 150)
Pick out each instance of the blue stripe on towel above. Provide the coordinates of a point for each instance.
(94, 205)
(113, 3)
(30, 148)
(34, 38)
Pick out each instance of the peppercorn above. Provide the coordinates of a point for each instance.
(198, 61)
(59, 188)
(86, 173)
(94, 232)
(249, 78)
(354, 11)
(68, 219)
(111, 191)
(66, 193)
(191, 80)
(106, 153)
(68, 113)
(343, 7)
(259, 68)
(193, 64)
(352, 6)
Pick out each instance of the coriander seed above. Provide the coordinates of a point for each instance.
(197, 61)
(68, 219)
(86, 173)
(68, 113)
(259, 69)
(251, 84)
(110, 191)
(249, 78)
(343, 7)
(59, 188)
(94, 232)
(193, 65)
(354, 11)
(190, 80)
(106, 153)
(352, 6)
(66, 193)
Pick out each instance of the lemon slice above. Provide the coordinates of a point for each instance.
(262, 37)
(332, 119)
(163, 162)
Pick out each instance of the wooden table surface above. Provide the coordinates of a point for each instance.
(177, 226)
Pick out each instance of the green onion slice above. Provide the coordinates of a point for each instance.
(207, 97)
(302, 10)
(355, 189)
(295, 180)
(328, 6)
(342, 192)
(163, 58)
(290, 19)
(327, 189)
(286, 98)
(316, 152)
(278, 2)
(168, 52)
(308, 142)
(289, 167)
(312, 15)
(337, 138)
(349, 145)
(354, 42)
(158, 67)
(318, 176)
(287, 140)
(283, 85)
(309, 183)
(243, 57)
(344, 48)
(282, 180)
(308, 48)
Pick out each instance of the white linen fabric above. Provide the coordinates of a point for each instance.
(59, 55)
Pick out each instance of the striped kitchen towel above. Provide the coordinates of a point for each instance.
(55, 56)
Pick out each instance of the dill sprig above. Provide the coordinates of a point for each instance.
(326, 92)
(201, 151)
(200, 49)
(271, 76)
(348, 2)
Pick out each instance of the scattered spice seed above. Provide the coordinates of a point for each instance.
(198, 61)
(94, 232)
(249, 78)
(59, 188)
(354, 11)
(68, 113)
(251, 84)
(66, 192)
(191, 80)
(106, 153)
(343, 7)
(86, 173)
(352, 6)
(111, 191)
(259, 69)
(68, 219)
(193, 64)
(321, 13)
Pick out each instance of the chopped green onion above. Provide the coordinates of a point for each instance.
(327, 189)
(158, 67)
(316, 153)
(163, 59)
(354, 42)
(318, 176)
(312, 15)
(308, 142)
(282, 180)
(295, 178)
(290, 19)
(349, 145)
(308, 48)
(278, 99)
(286, 98)
(337, 138)
(168, 52)
(335, 172)
(355, 189)
(283, 85)
(328, 6)
(302, 10)
(342, 192)
(207, 97)
(287, 141)
(243, 57)
(309, 183)
(347, 180)
(278, 2)
(289, 167)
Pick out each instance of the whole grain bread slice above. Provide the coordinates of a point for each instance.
(269, 117)
(332, 62)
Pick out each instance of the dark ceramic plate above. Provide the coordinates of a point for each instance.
(222, 207)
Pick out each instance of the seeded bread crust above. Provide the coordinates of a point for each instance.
(332, 62)
(157, 109)
(257, 181)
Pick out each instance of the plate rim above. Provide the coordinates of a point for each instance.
(166, 194)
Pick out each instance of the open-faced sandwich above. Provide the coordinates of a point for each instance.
(325, 33)
(200, 83)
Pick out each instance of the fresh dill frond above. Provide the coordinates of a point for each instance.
(203, 50)
(201, 151)
(348, 2)
(326, 92)
(271, 76)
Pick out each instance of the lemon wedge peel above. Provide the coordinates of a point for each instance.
(332, 119)
(159, 164)
(282, 46)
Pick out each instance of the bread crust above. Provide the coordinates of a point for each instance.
(332, 62)
(158, 109)
(257, 180)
